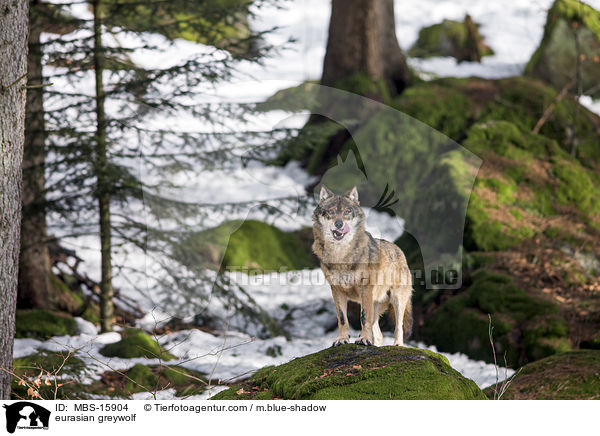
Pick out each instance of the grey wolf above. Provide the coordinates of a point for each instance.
(360, 268)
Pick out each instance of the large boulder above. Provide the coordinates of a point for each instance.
(574, 375)
(525, 327)
(460, 40)
(136, 343)
(353, 372)
(249, 244)
(571, 37)
(43, 324)
(64, 376)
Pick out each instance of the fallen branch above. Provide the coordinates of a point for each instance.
(551, 106)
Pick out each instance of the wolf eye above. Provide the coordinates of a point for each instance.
(347, 212)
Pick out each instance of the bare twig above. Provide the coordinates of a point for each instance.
(552, 105)
(219, 355)
(500, 388)
(491, 336)
(3, 89)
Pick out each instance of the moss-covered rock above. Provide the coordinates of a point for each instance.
(353, 372)
(303, 96)
(65, 298)
(144, 378)
(43, 324)
(574, 375)
(51, 367)
(523, 100)
(440, 104)
(136, 343)
(571, 34)
(536, 180)
(64, 376)
(525, 328)
(248, 244)
(460, 40)
(452, 106)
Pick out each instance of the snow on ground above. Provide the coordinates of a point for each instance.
(592, 105)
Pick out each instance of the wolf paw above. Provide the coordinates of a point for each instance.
(340, 341)
(363, 341)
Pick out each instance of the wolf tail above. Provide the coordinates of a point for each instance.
(407, 320)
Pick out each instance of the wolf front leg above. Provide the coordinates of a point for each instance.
(341, 304)
(367, 316)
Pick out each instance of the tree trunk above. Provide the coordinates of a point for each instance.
(13, 64)
(34, 262)
(106, 289)
(362, 39)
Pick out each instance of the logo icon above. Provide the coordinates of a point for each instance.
(26, 415)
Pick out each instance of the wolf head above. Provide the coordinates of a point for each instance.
(338, 218)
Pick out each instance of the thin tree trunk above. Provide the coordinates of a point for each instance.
(362, 39)
(34, 262)
(13, 64)
(106, 289)
(572, 134)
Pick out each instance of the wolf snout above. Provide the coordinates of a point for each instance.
(339, 223)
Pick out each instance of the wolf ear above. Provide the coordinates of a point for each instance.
(325, 193)
(352, 194)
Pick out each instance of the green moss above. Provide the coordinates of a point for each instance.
(247, 244)
(50, 361)
(506, 191)
(516, 213)
(440, 104)
(568, 183)
(140, 378)
(576, 188)
(53, 365)
(483, 233)
(555, 59)
(43, 324)
(362, 84)
(356, 372)
(92, 313)
(571, 375)
(508, 140)
(135, 343)
(257, 244)
(68, 299)
(525, 328)
(522, 102)
(303, 96)
(449, 38)
(71, 374)
(148, 378)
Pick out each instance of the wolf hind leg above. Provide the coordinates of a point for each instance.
(399, 301)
